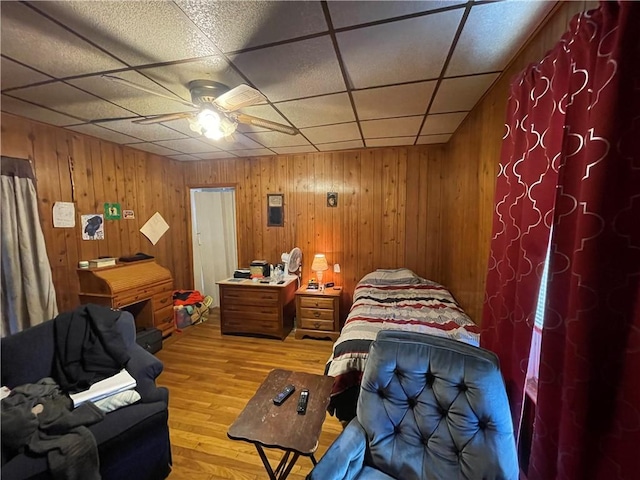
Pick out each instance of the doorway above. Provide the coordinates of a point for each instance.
(213, 238)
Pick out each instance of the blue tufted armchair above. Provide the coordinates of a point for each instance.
(429, 408)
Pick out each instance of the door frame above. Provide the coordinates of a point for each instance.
(190, 223)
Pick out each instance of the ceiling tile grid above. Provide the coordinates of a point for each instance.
(346, 74)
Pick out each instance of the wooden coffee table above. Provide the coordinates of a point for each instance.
(267, 425)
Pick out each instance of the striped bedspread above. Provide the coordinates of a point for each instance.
(427, 308)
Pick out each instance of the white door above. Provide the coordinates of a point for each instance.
(215, 254)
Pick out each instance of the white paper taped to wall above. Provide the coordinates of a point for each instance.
(155, 228)
(64, 215)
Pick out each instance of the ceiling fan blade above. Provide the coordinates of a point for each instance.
(238, 97)
(163, 118)
(148, 90)
(261, 122)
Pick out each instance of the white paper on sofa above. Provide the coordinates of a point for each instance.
(117, 383)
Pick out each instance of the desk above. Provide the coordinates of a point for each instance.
(267, 425)
(144, 288)
(255, 308)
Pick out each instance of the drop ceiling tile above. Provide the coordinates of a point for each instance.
(329, 147)
(16, 75)
(182, 125)
(188, 145)
(293, 70)
(176, 77)
(390, 142)
(183, 158)
(462, 93)
(333, 133)
(323, 110)
(403, 51)
(153, 148)
(137, 101)
(425, 139)
(258, 152)
(347, 13)
(442, 123)
(149, 133)
(391, 127)
(276, 139)
(32, 39)
(103, 133)
(492, 35)
(394, 101)
(67, 99)
(290, 150)
(242, 24)
(214, 155)
(138, 33)
(34, 112)
(236, 142)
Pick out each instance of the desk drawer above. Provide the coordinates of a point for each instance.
(162, 300)
(163, 315)
(252, 310)
(316, 314)
(247, 325)
(313, 324)
(315, 302)
(249, 296)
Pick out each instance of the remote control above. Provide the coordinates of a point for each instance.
(284, 394)
(302, 402)
(280, 282)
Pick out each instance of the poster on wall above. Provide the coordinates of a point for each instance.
(128, 214)
(112, 211)
(93, 227)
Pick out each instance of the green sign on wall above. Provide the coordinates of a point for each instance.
(112, 211)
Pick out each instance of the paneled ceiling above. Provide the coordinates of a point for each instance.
(347, 74)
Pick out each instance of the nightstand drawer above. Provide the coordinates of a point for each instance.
(316, 324)
(316, 302)
(316, 314)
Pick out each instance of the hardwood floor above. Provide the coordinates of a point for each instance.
(210, 378)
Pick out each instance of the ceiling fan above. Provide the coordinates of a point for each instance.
(216, 116)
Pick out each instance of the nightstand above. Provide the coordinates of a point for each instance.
(318, 313)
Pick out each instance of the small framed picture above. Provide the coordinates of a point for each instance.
(332, 199)
(275, 210)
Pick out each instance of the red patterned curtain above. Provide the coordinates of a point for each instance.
(571, 160)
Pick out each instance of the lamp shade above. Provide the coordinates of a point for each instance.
(319, 263)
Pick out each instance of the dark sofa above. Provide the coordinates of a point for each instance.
(133, 441)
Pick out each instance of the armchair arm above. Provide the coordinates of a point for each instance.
(143, 366)
(345, 457)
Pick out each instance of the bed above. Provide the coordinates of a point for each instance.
(390, 300)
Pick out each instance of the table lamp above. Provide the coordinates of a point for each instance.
(319, 265)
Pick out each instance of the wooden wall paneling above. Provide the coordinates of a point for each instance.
(377, 211)
(424, 212)
(258, 204)
(337, 176)
(16, 136)
(412, 217)
(70, 296)
(245, 224)
(366, 202)
(322, 240)
(434, 161)
(85, 196)
(131, 183)
(99, 198)
(46, 166)
(400, 211)
(349, 274)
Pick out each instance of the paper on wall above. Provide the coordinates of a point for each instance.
(64, 215)
(155, 228)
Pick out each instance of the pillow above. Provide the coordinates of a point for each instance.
(117, 400)
(396, 276)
